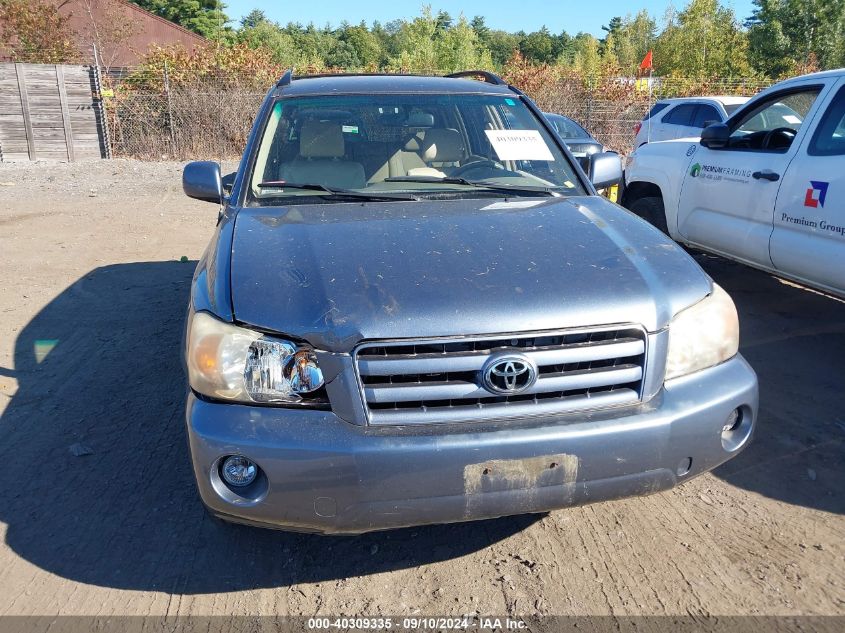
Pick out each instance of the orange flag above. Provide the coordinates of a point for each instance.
(646, 64)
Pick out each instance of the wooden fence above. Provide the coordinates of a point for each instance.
(50, 111)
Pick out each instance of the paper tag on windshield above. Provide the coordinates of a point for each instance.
(519, 145)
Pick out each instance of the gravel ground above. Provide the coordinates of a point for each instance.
(99, 516)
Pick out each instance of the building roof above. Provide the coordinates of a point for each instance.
(145, 30)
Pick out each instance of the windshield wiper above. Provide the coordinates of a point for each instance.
(484, 184)
(331, 191)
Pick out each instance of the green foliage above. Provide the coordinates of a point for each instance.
(703, 40)
(367, 45)
(789, 36)
(633, 39)
(538, 46)
(205, 17)
(501, 45)
(458, 48)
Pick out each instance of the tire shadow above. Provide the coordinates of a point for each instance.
(795, 340)
(95, 481)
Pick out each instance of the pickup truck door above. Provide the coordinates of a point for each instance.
(808, 240)
(728, 195)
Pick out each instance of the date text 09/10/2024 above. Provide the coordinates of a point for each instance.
(417, 623)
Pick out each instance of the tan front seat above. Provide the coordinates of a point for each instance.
(429, 151)
(320, 160)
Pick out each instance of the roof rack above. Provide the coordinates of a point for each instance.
(490, 78)
(285, 79)
(329, 75)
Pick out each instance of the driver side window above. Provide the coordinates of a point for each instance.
(773, 124)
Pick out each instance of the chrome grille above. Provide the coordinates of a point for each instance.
(441, 380)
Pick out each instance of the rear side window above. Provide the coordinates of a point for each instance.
(829, 139)
(655, 109)
(680, 115)
(705, 114)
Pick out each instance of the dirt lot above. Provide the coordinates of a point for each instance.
(90, 271)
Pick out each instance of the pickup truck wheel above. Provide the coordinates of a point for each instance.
(651, 209)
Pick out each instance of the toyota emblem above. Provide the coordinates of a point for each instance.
(508, 375)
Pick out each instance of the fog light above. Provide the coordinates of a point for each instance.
(733, 421)
(238, 471)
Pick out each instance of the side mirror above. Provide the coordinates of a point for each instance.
(201, 180)
(605, 170)
(228, 182)
(715, 136)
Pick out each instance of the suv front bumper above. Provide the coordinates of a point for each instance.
(323, 474)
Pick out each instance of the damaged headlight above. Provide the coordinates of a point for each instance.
(233, 363)
(703, 335)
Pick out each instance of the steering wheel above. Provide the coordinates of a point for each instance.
(480, 163)
(786, 132)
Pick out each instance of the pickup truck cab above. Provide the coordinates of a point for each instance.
(766, 188)
(416, 309)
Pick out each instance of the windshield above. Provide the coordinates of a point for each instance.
(414, 144)
(567, 128)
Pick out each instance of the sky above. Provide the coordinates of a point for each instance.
(509, 15)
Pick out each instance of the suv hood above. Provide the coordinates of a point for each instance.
(336, 274)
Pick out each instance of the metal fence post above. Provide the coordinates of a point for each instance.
(169, 110)
(98, 89)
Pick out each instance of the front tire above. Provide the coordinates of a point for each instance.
(651, 209)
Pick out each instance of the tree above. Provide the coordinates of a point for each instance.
(628, 40)
(612, 28)
(205, 17)
(501, 45)
(33, 31)
(443, 22)
(266, 35)
(366, 44)
(253, 19)
(343, 55)
(588, 59)
(703, 40)
(563, 49)
(458, 48)
(785, 35)
(415, 39)
(480, 27)
(538, 46)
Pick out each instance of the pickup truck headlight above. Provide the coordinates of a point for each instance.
(703, 335)
(233, 363)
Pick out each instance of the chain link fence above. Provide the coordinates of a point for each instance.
(610, 109)
(208, 115)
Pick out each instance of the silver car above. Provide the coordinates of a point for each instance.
(415, 309)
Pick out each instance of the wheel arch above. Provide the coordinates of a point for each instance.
(641, 189)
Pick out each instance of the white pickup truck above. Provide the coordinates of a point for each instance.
(766, 188)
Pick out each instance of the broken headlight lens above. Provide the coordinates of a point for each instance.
(233, 363)
(703, 335)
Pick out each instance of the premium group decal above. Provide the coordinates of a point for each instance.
(718, 173)
(814, 198)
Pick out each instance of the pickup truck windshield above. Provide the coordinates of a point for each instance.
(422, 144)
